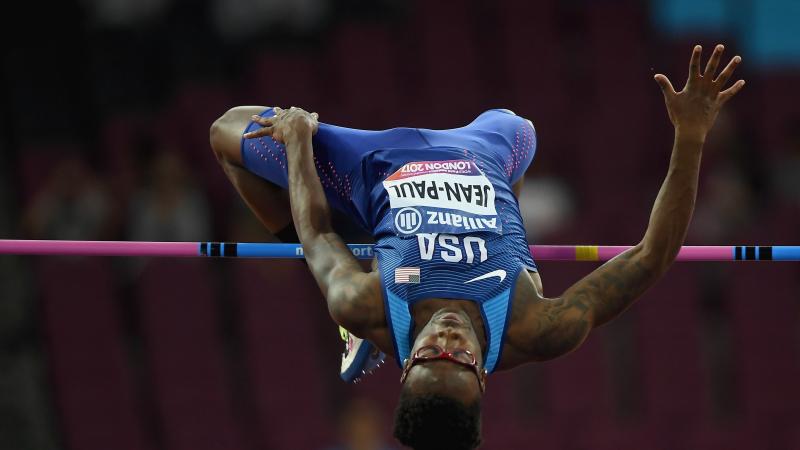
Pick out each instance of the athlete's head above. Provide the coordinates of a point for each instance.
(443, 382)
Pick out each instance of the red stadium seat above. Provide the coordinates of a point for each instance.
(618, 90)
(278, 301)
(730, 436)
(516, 410)
(447, 65)
(773, 110)
(576, 385)
(94, 387)
(616, 32)
(572, 392)
(183, 127)
(533, 63)
(674, 385)
(187, 364)
(500, 435)
(36, 166)
(669, 342)
(782, 226)
(615, 435)
(765, 317)
(301, 76)
(501, 401)
(364, 60)
(118, 139)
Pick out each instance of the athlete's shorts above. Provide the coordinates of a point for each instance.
(339, 153)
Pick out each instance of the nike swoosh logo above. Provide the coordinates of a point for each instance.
(495, 273)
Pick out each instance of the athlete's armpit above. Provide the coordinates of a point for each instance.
(560, 325)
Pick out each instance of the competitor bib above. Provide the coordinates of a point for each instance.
(441, 197)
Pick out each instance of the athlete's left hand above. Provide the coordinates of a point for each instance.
(286, 124)
(694, 109)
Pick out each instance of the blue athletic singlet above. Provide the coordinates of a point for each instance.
(439, 204)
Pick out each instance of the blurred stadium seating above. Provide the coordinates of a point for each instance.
(181, 377)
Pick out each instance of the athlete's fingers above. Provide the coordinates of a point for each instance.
(727, 94)
(266, 131)
(315, 116)
(713, 62)
(263, 121)
(665, 85)
(726, 73)
(694, 64)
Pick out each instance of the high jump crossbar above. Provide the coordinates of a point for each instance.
(365, 251)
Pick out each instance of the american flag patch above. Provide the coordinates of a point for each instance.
(406, 275)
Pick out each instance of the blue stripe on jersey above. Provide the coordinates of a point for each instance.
(495, 316)
(402, 325)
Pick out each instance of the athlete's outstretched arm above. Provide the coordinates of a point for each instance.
(561, 324)
(353, 296)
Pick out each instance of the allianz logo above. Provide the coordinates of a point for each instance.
(461, 221)
(408, 220)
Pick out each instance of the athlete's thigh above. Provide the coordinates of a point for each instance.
(268, 201)
(226, 132)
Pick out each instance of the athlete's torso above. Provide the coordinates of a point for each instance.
(447, 223)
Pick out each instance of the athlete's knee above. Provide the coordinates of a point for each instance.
(220, 136)
(225, 134)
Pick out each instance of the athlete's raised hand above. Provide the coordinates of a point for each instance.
(694, 109)
(285, 124)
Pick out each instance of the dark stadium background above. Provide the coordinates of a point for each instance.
(104, 115)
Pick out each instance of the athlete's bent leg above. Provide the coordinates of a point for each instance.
(269, 202)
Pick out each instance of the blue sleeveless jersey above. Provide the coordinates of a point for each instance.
(439, 204)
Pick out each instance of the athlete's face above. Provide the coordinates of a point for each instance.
(452, 330)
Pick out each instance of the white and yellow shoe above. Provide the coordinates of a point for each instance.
(360, 357)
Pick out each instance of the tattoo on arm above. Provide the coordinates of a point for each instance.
(612, 289)
(562, 324)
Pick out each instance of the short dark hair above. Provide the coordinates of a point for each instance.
(436, 422)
